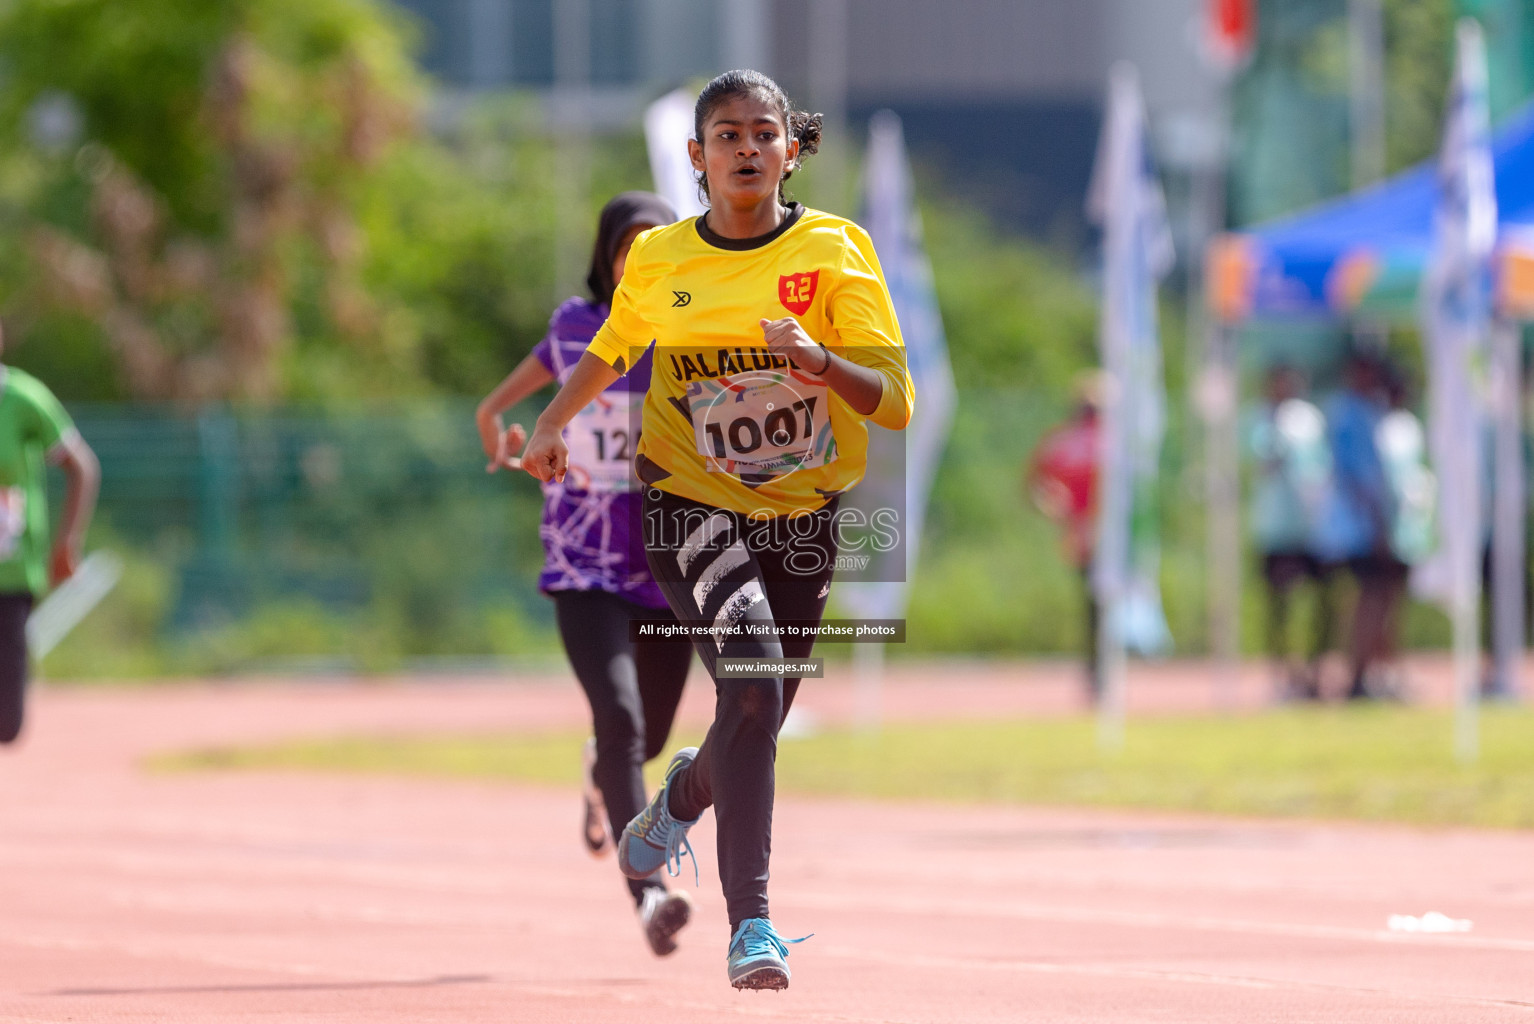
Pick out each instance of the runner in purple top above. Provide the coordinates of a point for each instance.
(591, 530)
(595, 568)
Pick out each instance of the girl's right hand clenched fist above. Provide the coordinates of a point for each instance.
(546, 456)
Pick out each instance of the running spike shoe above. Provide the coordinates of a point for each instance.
(654, 839)
(661, 915)
(758, 956)
(594, 830)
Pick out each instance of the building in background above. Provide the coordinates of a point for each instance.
(1002, 97)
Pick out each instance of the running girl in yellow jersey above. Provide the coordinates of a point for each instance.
(775, 340)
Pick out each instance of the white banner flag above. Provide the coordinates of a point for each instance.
(1125, 198)
(667, 127)
(901, 466)
(1457, 317)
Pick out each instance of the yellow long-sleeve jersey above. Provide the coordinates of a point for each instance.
(725, 422)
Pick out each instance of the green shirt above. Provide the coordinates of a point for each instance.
(32, 426)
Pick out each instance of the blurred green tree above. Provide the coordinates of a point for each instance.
(1291, 116)
(219, 156)
(1015, 313)
(1509, 28)
(1419, 61)
(238, 201)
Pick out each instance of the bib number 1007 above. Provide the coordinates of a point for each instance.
(761, 423)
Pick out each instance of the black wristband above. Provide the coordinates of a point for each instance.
(827, 364)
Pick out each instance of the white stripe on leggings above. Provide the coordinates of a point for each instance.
(735, 606)
(701, 538)
(732, 557)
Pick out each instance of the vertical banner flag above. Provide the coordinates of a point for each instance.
(1456, 300)
(902, 465)
(667, 127)
(1126, 200)
(1457, 316)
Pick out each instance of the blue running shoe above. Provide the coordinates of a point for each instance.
(654, 839)
(758, 955)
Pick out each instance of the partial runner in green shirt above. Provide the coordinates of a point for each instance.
(34, 431)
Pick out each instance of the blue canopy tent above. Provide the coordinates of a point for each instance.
(1365, 256)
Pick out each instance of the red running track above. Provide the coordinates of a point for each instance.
(131, 896)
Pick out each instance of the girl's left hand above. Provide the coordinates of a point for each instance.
(506, 443)
(62, 562)
(786, 337)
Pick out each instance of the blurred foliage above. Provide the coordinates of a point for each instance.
(260, 540)
(1290, 106)
(194, 175)
(241, 201)
(463, 232)
(1013, 311)
(1419, 60)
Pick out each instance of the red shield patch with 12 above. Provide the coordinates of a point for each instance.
(797, 291)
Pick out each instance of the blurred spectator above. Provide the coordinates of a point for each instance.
(1361, 514)
(1293, 475)
(1062, 481)
(34, 429)
(1402, 446)
(1493, 686)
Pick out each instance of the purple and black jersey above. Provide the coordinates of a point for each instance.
(593, 538)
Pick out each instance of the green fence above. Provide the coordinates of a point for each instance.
(289, 539)
(257, 507)
(374, 537)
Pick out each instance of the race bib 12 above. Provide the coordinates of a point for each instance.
(601, 441)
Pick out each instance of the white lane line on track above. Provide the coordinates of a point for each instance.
(949, 907)
(1153, 974)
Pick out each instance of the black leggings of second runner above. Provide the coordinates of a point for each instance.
(633, 690)
(14, 609)
(715, 565)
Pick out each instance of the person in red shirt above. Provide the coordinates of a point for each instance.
(1062, 482)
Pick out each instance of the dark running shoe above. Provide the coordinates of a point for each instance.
(661, 915)
(594, 831)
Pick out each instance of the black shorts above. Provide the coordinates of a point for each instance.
(1283, 569)
(1379, 569)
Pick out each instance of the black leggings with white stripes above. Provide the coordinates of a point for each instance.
(718, 568)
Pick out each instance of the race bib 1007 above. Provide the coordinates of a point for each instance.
(761, 423)
(601, 441)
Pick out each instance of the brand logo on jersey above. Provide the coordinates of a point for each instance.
(797, 291)
(682, 298)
